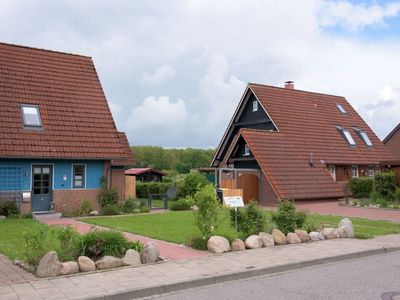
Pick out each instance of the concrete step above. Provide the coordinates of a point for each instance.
(46, 215)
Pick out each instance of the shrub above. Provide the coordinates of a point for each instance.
(35, 245)
(286, 218)
(144, 209)
(192, 183)
(250, 219)
(99, 243)
(8, 208)
(206, 216)
(313, 226)
(86, 207)
(181, 204)
(70, 244)
(385, 184)
(396, 194)
(143, 189)
(130, 205)
(110, 209)
(197, 242)
(361, 187)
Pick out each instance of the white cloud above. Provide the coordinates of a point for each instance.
(356, 16)
(115, 108)
(160, 75)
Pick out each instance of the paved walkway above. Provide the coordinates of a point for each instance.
(135, 282)
(334, 208)
(10, 273)
(169, 251)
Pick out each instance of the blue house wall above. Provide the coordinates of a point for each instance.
(62, 173)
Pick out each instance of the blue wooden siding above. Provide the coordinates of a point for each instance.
(15, 174)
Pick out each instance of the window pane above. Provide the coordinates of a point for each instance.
(348, 137)
(78, 183)
(31, 116)
(366, 139)
(79, 176)
(46, 171)
(341, 108)
(37, 170)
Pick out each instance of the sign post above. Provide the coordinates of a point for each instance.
(235, 202)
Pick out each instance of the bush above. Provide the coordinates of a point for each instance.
(206, 216)
(108, 197)
(144, 209)
(385, 184)
(192, 183)
(110, 209)
(70, 244)
(86, 207)
(35, 245)
(197, 242)
(100, 243)
(361, 187)
(143, 189)
(286, 218)
(250, 219)
(8, 208)
(396, 195)
(181, 204)
(130, 205)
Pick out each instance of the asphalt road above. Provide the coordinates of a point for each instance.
(373, 277)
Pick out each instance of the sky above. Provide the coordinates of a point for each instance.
(174, 71)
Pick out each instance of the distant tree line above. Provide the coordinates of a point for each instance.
(180, 160)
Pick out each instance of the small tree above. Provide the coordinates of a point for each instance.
(250, 219)
(286, 218)
(192, 183)
(206, 217)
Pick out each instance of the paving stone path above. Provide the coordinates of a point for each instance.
(10, 273)
(169, 251)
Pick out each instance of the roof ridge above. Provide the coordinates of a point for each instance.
(257, 130)
(43, 49)
(391, 133)
(294, 90)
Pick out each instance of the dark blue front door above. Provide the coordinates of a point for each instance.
(41, 187)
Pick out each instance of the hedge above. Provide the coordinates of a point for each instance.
(361, 187)
(143, 189)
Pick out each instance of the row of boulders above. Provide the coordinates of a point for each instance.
(219, 244)
(50, 266)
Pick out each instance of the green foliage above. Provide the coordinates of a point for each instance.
(70, 244)
(192, 183)
(108, 197)
(144, 209)
(143, 189)
(197, 242)
(206, 217)
(287, 218)
(8, 208)
(396, 195)
(35, 245)
(181, 204)
(110, 209)
(99, 243)
(250, 219)
(179, 160)
(361, 186)
(130, 205)
(313, 226)
(86, 207)
(385, 184)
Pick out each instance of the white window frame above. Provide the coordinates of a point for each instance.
(349, 138)
(377, 169)
(73, 187)
(24, 120)
(246, 150)
(354, 171)
(255, 105)
(371, 171)
(366, 139)
(341, 108)
(332, 171)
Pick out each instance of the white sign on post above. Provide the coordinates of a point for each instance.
(234, 201)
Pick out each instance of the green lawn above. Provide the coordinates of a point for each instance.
(179, 227)
(12, 243)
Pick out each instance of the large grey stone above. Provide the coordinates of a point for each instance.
(69, 267)
(238, 245)
(330, 233)
(131, 258)
(218, 244)
(108, 262)
(49, 265)
(150, 253)
(267, 239)
(346, 231)
(254, 242)
(293, 238)
(303, 235)
(279, 237)
(345, 221)
(314, 236)
(94, 213)
(2, 217)
(86, 264)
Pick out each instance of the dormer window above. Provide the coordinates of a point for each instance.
(255, 105)
(364, 136)
(246, 150)
(31, 115)
(341, 108)
(347, 135)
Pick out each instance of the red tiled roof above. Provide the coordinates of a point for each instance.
(77, 122)
(139, 171)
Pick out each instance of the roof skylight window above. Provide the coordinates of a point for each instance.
(364, 136)
(347, 135)
(341, 108)
(31, 115)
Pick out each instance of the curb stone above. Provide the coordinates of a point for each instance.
(248, 273)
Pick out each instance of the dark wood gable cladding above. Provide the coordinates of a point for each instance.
(245, 117)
